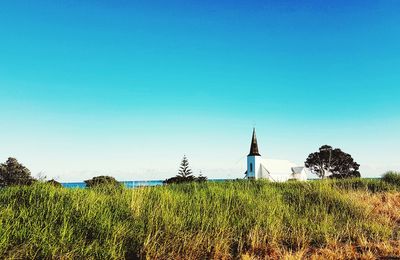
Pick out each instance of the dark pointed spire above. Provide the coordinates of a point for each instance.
(254, 146)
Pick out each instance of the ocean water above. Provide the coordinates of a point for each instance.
(135, 184)
(129, 184)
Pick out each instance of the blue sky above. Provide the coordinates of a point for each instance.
(127, 87)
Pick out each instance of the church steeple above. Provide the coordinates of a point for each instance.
(254, 146)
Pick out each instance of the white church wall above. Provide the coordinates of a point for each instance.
(253, 166)
(277, 170)
(280, 170)
(299, 173)
(272, 169)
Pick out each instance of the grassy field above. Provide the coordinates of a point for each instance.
(237, 219)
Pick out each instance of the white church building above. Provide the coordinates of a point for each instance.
(273, 170)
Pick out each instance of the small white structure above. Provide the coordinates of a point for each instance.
(274, 170)
(299, 173)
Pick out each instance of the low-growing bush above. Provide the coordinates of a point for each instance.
(54, 183)
(181, 179)
(101, 181)
(392, 178)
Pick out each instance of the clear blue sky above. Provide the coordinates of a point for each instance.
(127, 87)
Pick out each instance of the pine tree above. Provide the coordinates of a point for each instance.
(185, 174)
(184, 170)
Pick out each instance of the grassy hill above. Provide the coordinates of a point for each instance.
(237, 219)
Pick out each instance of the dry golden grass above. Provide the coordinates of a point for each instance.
(384, 207)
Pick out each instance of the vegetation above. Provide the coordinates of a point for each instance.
(392, 177)
(185, 174)
(336, 219)
(332, 162)
(184, 170)
(102, 181)
(14, 173)
(54, 183)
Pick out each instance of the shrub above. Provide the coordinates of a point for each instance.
(392, 178)
(201, 178)
(54, 183)
(102, 181)
(179, 179)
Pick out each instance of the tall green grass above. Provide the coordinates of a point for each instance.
(197, 220)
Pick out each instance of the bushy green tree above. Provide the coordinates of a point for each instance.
(332, 163)
(14, 173)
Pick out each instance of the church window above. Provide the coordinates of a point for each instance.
(251, 167)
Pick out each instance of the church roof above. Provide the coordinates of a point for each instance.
(297, 170)
(254, 145)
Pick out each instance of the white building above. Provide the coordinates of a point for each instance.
(298, 173)
(274, 170)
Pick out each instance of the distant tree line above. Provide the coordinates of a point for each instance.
(14, 173)
(327, 162)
